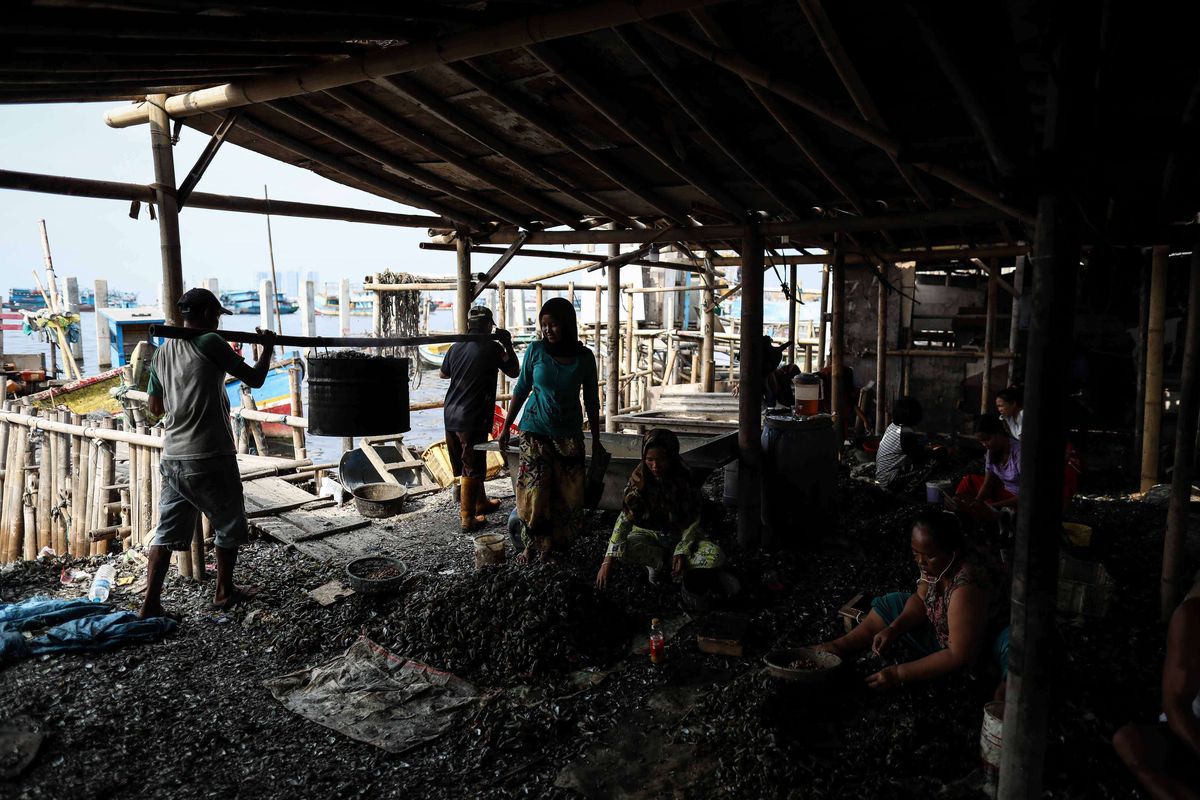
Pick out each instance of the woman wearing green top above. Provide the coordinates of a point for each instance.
(550, 477)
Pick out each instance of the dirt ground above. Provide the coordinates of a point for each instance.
(189, 717)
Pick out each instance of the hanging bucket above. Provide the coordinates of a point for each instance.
(364, 396)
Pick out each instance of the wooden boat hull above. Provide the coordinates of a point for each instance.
(84, 396)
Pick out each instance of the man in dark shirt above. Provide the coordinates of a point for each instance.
(470, 405)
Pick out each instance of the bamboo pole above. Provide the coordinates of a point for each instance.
(708, 322)
(1174, 584)
(45, 491)
(29, 525)
(502, 321)
(838, 340)
(1139, 362)
(537, 289)
(145, 491)
(100, 300)
(76, 428)
(73, 308)
(108, 474)
(599, 310)
(126, 517)
(203, 531)
(12, 472)
(155, 457)
(28, 509)
(822, 317)
(989, 341)
(95, 508)
(750, 395)
(62, 485)
(630, 328)
(260, 444)
(795, 294)
(134, 494)
(1152, 415)
(168, 208)
(299, 447)
(344, 306)
(83, 483)
(881, 395)
(571, 292)
(462, 301)
(612, 395)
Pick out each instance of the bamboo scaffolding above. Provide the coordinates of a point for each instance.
(299, 447)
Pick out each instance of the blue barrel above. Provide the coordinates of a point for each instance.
(800, 469)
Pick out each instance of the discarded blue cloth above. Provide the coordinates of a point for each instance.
(94, 627)
(44, 612)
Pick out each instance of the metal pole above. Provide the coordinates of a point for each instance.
(1043, 447)
(881, 395)
(1152, 413)
(989, 342)
(750, 392)
(100, 300)
(1174, 584)
(462, 303)
(168, 211)
(612, 389)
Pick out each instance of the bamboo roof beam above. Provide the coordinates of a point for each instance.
(405, 58)
(831, 43)
(589, 258)
(895, 256)
(543, 119)
(789, 199)
(885, 141)
(392, 123)
(454, 117)
(808, 230)
(111, 190)
(617, 113)
(390, 188)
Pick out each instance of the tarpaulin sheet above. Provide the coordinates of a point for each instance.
(375, 696)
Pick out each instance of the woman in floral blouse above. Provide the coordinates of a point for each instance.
(960, 610)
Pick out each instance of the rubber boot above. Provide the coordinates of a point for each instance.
(469, 494)
(485, 505)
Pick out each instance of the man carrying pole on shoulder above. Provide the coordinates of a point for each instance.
(199, 469)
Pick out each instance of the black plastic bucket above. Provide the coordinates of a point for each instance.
(357, 396)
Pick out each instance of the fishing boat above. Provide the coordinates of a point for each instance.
(361, 304)
(116, 299)
(25, 300)
(274, 396)
(247, 302)
(432, 355)
(126, 328)
(84, 396)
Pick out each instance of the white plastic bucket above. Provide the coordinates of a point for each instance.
(991, 741)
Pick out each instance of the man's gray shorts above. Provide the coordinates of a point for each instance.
(211, 486)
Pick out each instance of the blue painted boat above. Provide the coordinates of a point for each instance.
(275, 395)
(246, 302)
(127, 327)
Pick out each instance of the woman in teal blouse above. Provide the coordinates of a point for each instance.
(550, 477)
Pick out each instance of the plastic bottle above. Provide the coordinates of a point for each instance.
(102, 583)
(656, 641)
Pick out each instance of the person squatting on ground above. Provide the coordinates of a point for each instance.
(660, 515)
(901, 455)
(959, 611)
(469, 410)
(1165, 756)
(550, 475)
(199, 468)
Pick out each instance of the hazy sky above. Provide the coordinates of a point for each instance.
(92, 238)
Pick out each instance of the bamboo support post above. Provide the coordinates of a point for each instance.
(794, 295)
(989, 340)
(502, 321)
(108, 474)
(630, 328)
(62, 486)
(203, 531)
(155, 479)
(45, 491)
(29, 527)
(256, 433)
(462, 300)
(299, 447)
(168, 207)
(95, 481)
(881, 395)
(126, 517)
(81, 546)
(599, 310)
(538, 294)
(1174, 584)
(838, 338)
(145, 496)
(28, 505)
(133, 496)
(750, 397)
(822, 318)
(612, 398)
(708, 323)
(7, 503)
(1152, 414)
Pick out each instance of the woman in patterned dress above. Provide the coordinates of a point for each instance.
(659, 524)
(959, 611)
(550, 476)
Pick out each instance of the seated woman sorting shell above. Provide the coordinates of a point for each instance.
(1001, 478)
(959, 611)
(660, 518)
